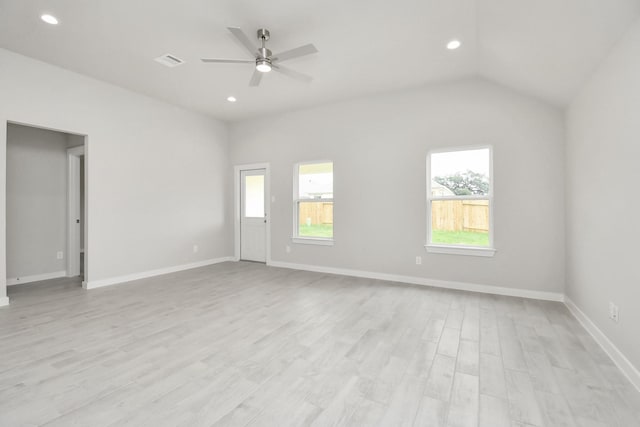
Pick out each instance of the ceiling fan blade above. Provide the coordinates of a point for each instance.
(242, 38)
(307, 49)
(293, 74)
(229, 61)
(255, 78)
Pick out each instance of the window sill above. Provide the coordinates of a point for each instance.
(312, 241)
(460, 250)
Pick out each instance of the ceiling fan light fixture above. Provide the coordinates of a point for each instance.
(263, 65)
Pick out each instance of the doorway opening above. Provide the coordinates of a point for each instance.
(45, 189)
(252, 213)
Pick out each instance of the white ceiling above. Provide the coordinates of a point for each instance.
(546, 48)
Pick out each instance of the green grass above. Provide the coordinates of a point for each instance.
(469, 238)
(315, 230)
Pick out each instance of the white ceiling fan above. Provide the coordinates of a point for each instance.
(264, 60)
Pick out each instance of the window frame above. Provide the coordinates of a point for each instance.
(486, 251)
(296, 238)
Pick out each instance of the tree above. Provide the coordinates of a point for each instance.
(466, 183)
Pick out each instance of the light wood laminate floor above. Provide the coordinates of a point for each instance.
(241, 344)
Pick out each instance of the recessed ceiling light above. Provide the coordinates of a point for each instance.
(232, 99)
(453, 44)
(49, 19)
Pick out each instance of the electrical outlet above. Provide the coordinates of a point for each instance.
(287, 249)
(613, 312)
(418, 260)
(195, 249)
(60, 255)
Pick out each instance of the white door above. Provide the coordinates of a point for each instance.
(74, 244)
(253, 217)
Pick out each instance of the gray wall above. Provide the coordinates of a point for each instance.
(74, 140)
(603, 149)
(157, 175)
(36, 201)
(379, 146)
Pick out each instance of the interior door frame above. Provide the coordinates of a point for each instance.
(236, 205)
(73, 210)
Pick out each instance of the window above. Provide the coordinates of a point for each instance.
(460, 202)
(254, 196)
(313, 203)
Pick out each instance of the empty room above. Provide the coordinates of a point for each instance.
(290, 213)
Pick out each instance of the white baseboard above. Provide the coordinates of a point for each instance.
(92, 284)
(4, 301)
(461, 286)
(35, 278)
(627, 368)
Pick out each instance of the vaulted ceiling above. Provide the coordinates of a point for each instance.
(545, 48)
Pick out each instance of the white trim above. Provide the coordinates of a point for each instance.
(312, 241)
(73, 210)
(460, 250)
(627, 368)
(462, 286)
(76, 151)
(74, 246)
(92, 284)
(85, 243)
(236, 205)
(471, 197)
(461, 148)
(35, 278)
(4, 301)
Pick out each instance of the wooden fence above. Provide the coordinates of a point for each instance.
(460, 215)
(446, 215)
(316, 213)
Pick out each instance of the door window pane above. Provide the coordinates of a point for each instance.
(254, 196)
(315, 219)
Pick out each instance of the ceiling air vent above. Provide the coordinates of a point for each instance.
(169, 60)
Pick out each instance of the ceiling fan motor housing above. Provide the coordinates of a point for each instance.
(264, 53)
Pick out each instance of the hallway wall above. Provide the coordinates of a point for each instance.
(36, 202)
